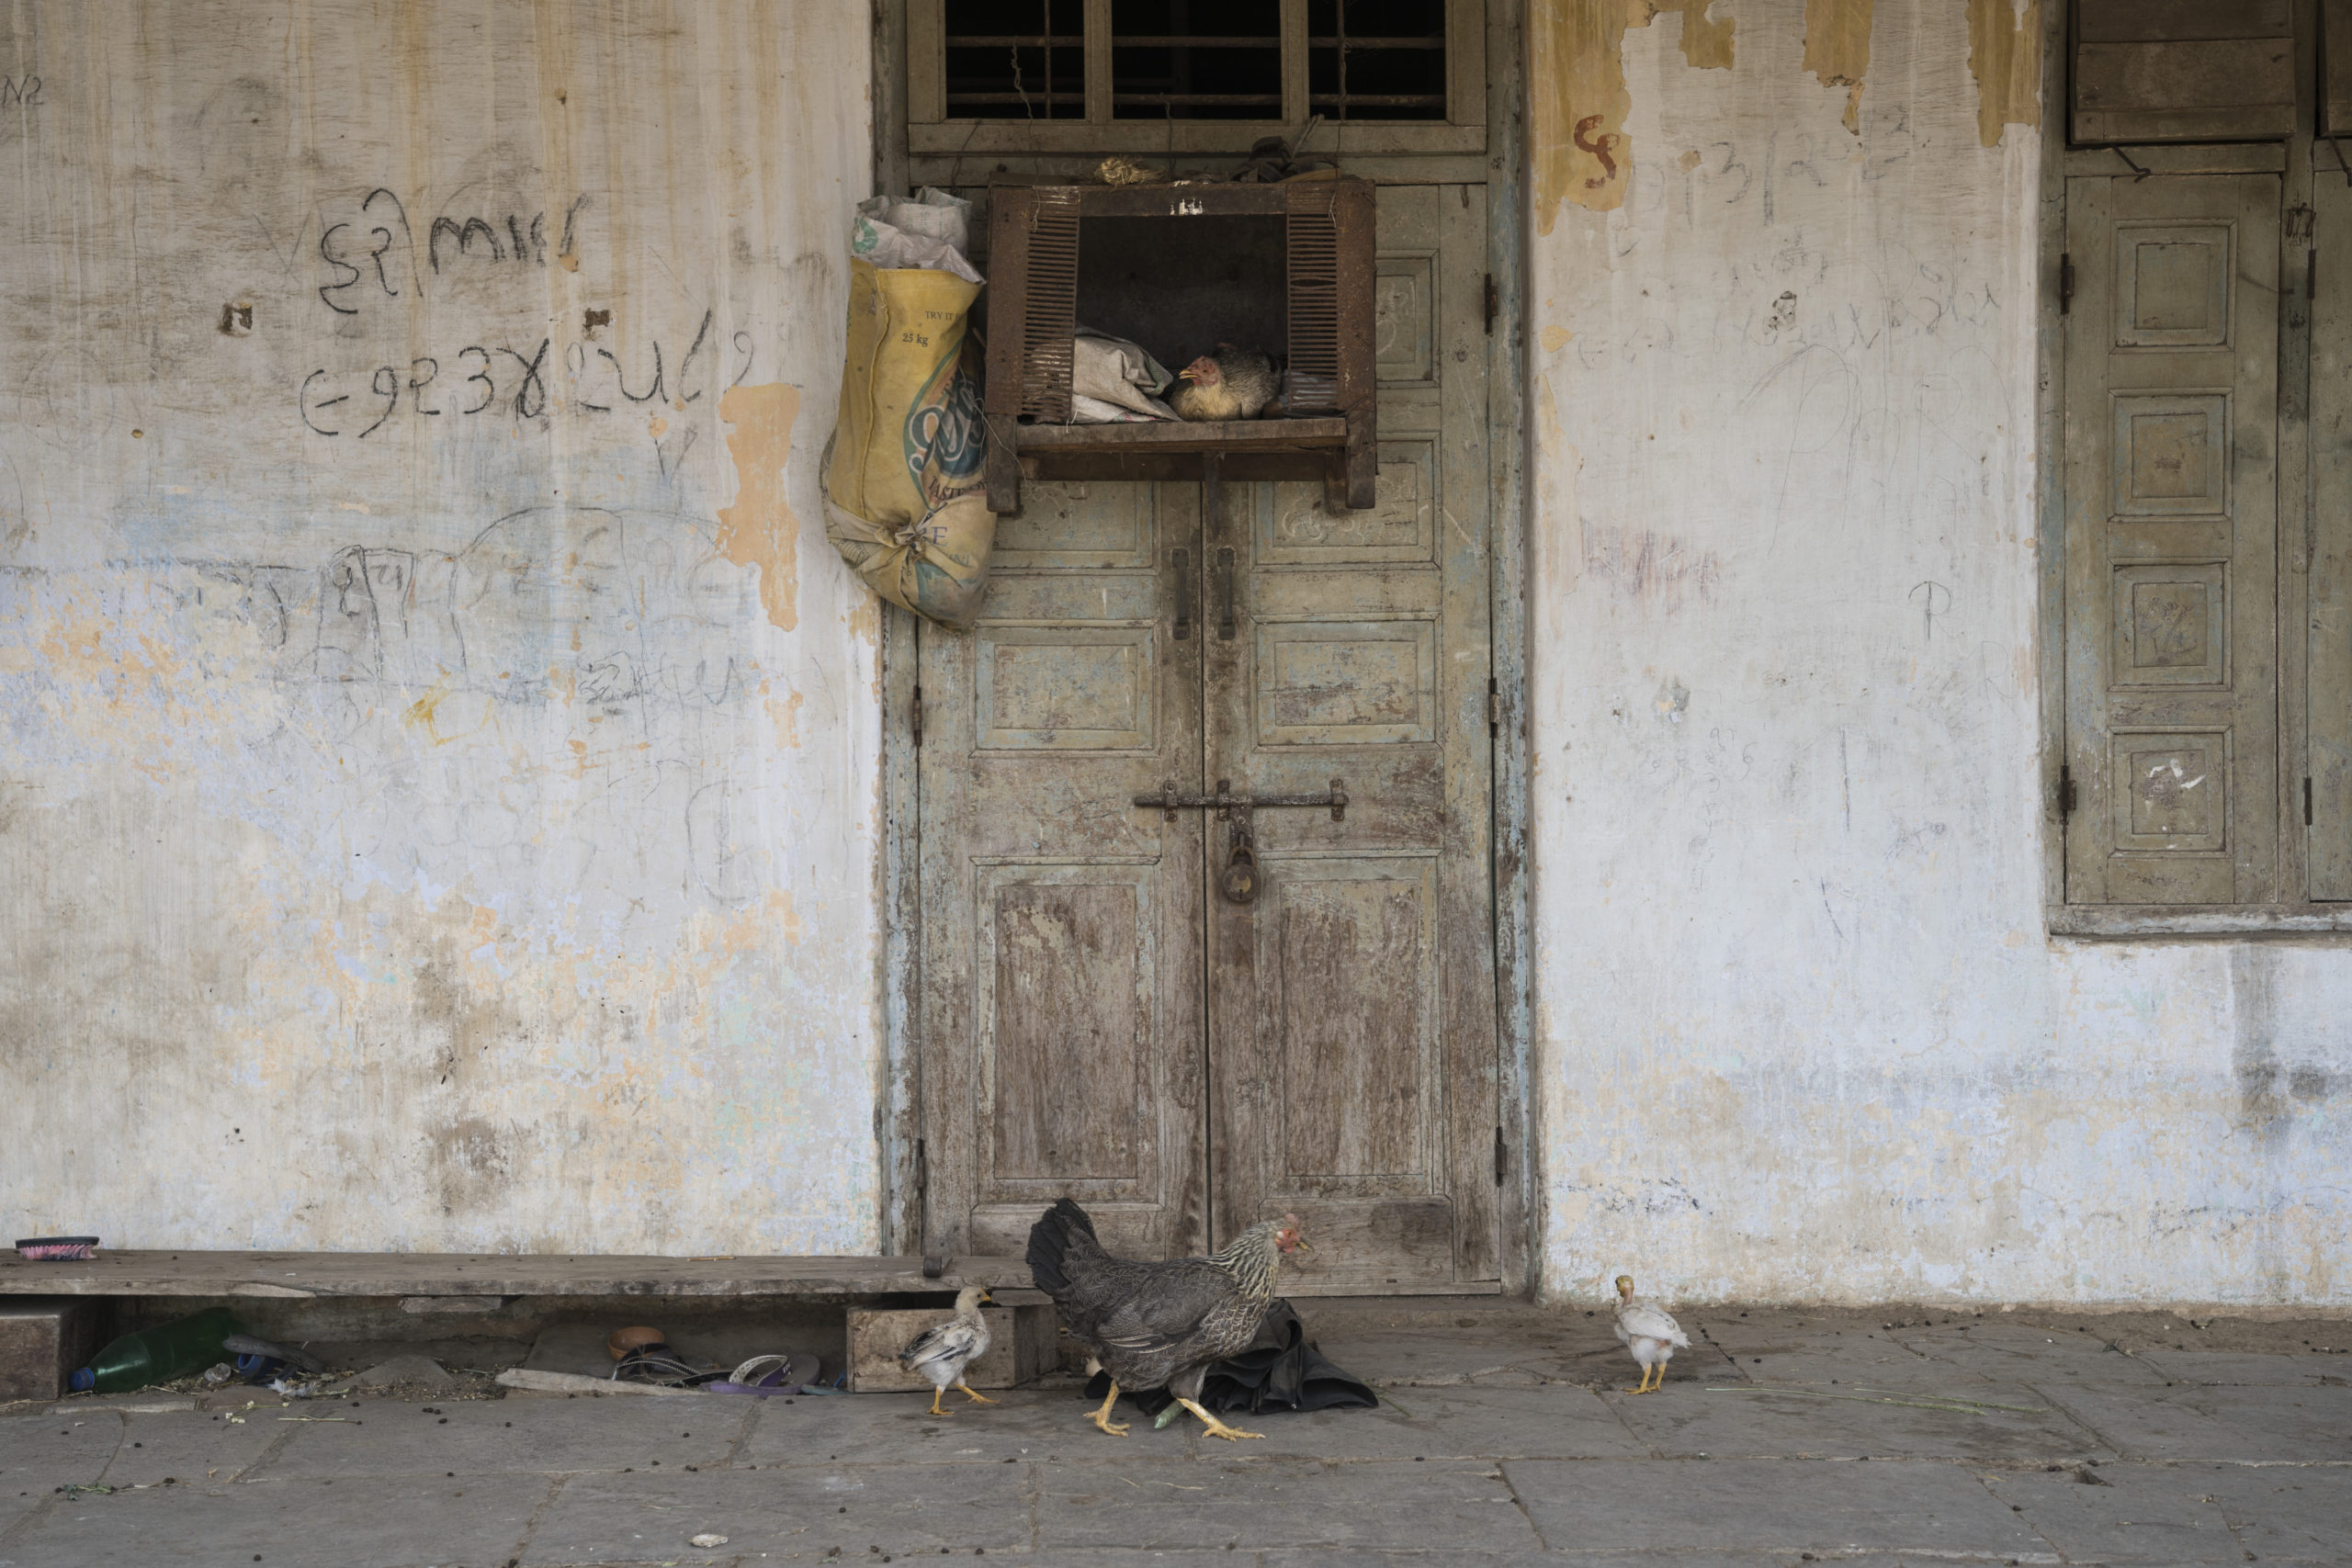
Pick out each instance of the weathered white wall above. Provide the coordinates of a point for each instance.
(1802, 1033)
(463, 834)
(458, 829)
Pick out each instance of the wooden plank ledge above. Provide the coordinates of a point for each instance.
(1237, 436)
(301, 1275)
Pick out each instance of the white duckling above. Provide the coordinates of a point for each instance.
(1649, 1331)
(942, 1353)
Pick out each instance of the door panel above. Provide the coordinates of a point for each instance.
(1352, 1030)
(1099, 1020)
(1061, 927)
(2172, 366)
(1067, 1005)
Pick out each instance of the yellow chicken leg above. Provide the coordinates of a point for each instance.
(1644, 1387)
(1101, 1418)
(1217, 1428)
(975, 1398)
(935, 1395)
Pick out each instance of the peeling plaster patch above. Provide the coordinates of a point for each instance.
(1837, 49)
(1707, 41)
(760, 529)
(785, 716)
(1556, 338)
(2004, 56)
(1580, 100)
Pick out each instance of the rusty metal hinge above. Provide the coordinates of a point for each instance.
(1494, 708)
(1493, 302)
(914, 713)
(2066, 800)
(2307, 800)
(923, 1171)
(1503, 1156)
(2065, 284)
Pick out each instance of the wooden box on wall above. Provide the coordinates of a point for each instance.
(1180, 269)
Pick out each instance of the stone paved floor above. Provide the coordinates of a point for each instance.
(1781, 1439)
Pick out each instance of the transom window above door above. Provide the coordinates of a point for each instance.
(1193, 76)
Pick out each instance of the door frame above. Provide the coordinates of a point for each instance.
(897, 1092)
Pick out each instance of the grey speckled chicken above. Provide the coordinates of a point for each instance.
(1155, 1325)
(1232, 383)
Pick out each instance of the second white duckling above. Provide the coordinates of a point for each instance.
(1649, 1331)
(941, 1354)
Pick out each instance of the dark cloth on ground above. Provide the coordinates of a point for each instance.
(1281, 1369)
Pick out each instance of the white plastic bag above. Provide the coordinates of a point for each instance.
(1113, 381)
(935, 215)
(895, 233)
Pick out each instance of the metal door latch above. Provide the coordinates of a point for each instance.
(1239, 879)
(1170, 799)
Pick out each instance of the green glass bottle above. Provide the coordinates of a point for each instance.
(170, 1350)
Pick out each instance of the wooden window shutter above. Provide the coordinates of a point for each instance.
(1312, 240)
(2336, 67)
(2184, 71)
(1330, 240)
(1031, 302)
(2171, 541)
(2324, 807)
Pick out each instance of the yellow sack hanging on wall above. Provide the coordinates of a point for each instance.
(905, 503)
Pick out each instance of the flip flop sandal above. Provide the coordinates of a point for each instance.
(764, 1375)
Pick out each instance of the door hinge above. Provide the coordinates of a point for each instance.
(2066, 801)
(1494, 708)
(1494, 303)
(914, 714)
(922, 1173)
(2065, 284)
(1503, 1156)
(2307, 802)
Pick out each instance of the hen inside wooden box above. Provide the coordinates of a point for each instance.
(1193, 292)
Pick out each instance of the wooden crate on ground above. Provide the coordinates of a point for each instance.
(1021, 1346)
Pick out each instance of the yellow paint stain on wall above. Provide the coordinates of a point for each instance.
(785, 716)
(1556, 338)
(1559, 530)
(760, 529)
(420, 712)
(1838, 49)
(1579, 98)
(2004, 56)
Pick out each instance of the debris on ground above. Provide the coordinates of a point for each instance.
(404, 1372)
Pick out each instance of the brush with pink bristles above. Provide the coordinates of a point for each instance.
(57, 1248)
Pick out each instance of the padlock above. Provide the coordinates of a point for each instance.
(1240, 879)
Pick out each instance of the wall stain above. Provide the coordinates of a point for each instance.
(1652, 569)
(1579, 99)
(1838, 49)
(2004, 56)
(760, 529)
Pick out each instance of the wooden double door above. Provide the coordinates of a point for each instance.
(1100, 1017)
